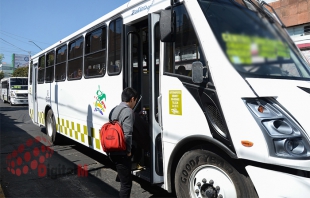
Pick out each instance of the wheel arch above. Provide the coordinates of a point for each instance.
(190, 143)
(47, 108)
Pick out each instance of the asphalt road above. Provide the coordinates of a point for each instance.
(31, 167)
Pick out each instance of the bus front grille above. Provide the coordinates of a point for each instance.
(22, 95)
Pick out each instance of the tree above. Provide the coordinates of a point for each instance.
(20, 72)
(1, 75)
(1, 57)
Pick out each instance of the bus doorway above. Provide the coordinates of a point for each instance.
(34, 92)
(142, 73)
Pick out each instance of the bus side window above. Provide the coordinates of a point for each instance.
(186, 48)
(115, 46)
(75, 60)
(49, 73)
(41, 69)
(60, 65)
(95, 53)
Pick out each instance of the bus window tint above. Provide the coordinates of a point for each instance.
(75, 61)
(60, 66)
(95, 53)
(115, 35)
(186, 49)
(41, 69)
(49, 74)
(253, 45)
(30, 73)
(19, 83)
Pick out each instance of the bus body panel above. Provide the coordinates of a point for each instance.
(281, 184)
(231, 88)
(32, 96)
(41, 101)
(141, 10)
(185, 117)
(83, 111)
(289, 93)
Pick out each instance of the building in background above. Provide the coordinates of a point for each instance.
(20, 60)
(7, 69)
(295, 14)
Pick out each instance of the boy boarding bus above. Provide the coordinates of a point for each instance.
(14, 90)
(233, 122)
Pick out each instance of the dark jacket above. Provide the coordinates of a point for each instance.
(126, 119)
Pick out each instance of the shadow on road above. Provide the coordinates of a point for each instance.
(30, 167)
(156, 191)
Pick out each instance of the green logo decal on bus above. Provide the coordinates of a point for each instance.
(99, 104)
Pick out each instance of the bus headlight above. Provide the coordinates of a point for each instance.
(13, 94)
(285, 137)
(295, 146)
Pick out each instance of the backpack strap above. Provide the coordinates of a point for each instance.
(110, 115)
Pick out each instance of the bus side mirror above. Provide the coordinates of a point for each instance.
(167, 26)
(197, 72)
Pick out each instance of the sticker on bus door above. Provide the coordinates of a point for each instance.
(175, 102)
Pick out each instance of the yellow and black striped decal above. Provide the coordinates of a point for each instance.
(41, 118)
(80, 133)
(31, 114)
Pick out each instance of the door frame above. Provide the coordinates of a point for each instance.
(154, 126)
(34, 92)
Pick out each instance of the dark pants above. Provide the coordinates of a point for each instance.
(123, 167)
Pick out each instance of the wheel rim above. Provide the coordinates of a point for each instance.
(49, 126)
(211, 181)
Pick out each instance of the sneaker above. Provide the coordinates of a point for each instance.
(139, 167)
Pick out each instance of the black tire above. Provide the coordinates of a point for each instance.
(51, 127)
(221, 178)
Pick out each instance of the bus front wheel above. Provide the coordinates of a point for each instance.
(11, 103)
(202, 173)
(51, 126)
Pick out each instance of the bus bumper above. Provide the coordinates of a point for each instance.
(16, 101)
(269, 183)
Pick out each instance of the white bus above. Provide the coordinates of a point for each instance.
(14, 90)
(234, 123)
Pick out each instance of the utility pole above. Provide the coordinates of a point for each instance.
(35, 44)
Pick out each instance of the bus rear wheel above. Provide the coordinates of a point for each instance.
(202, 173)
(51, 126)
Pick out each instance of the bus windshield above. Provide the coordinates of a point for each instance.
(255, 44)
(19, 83)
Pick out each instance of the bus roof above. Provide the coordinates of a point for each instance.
(116, 12)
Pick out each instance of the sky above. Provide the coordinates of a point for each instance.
(45, 22)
